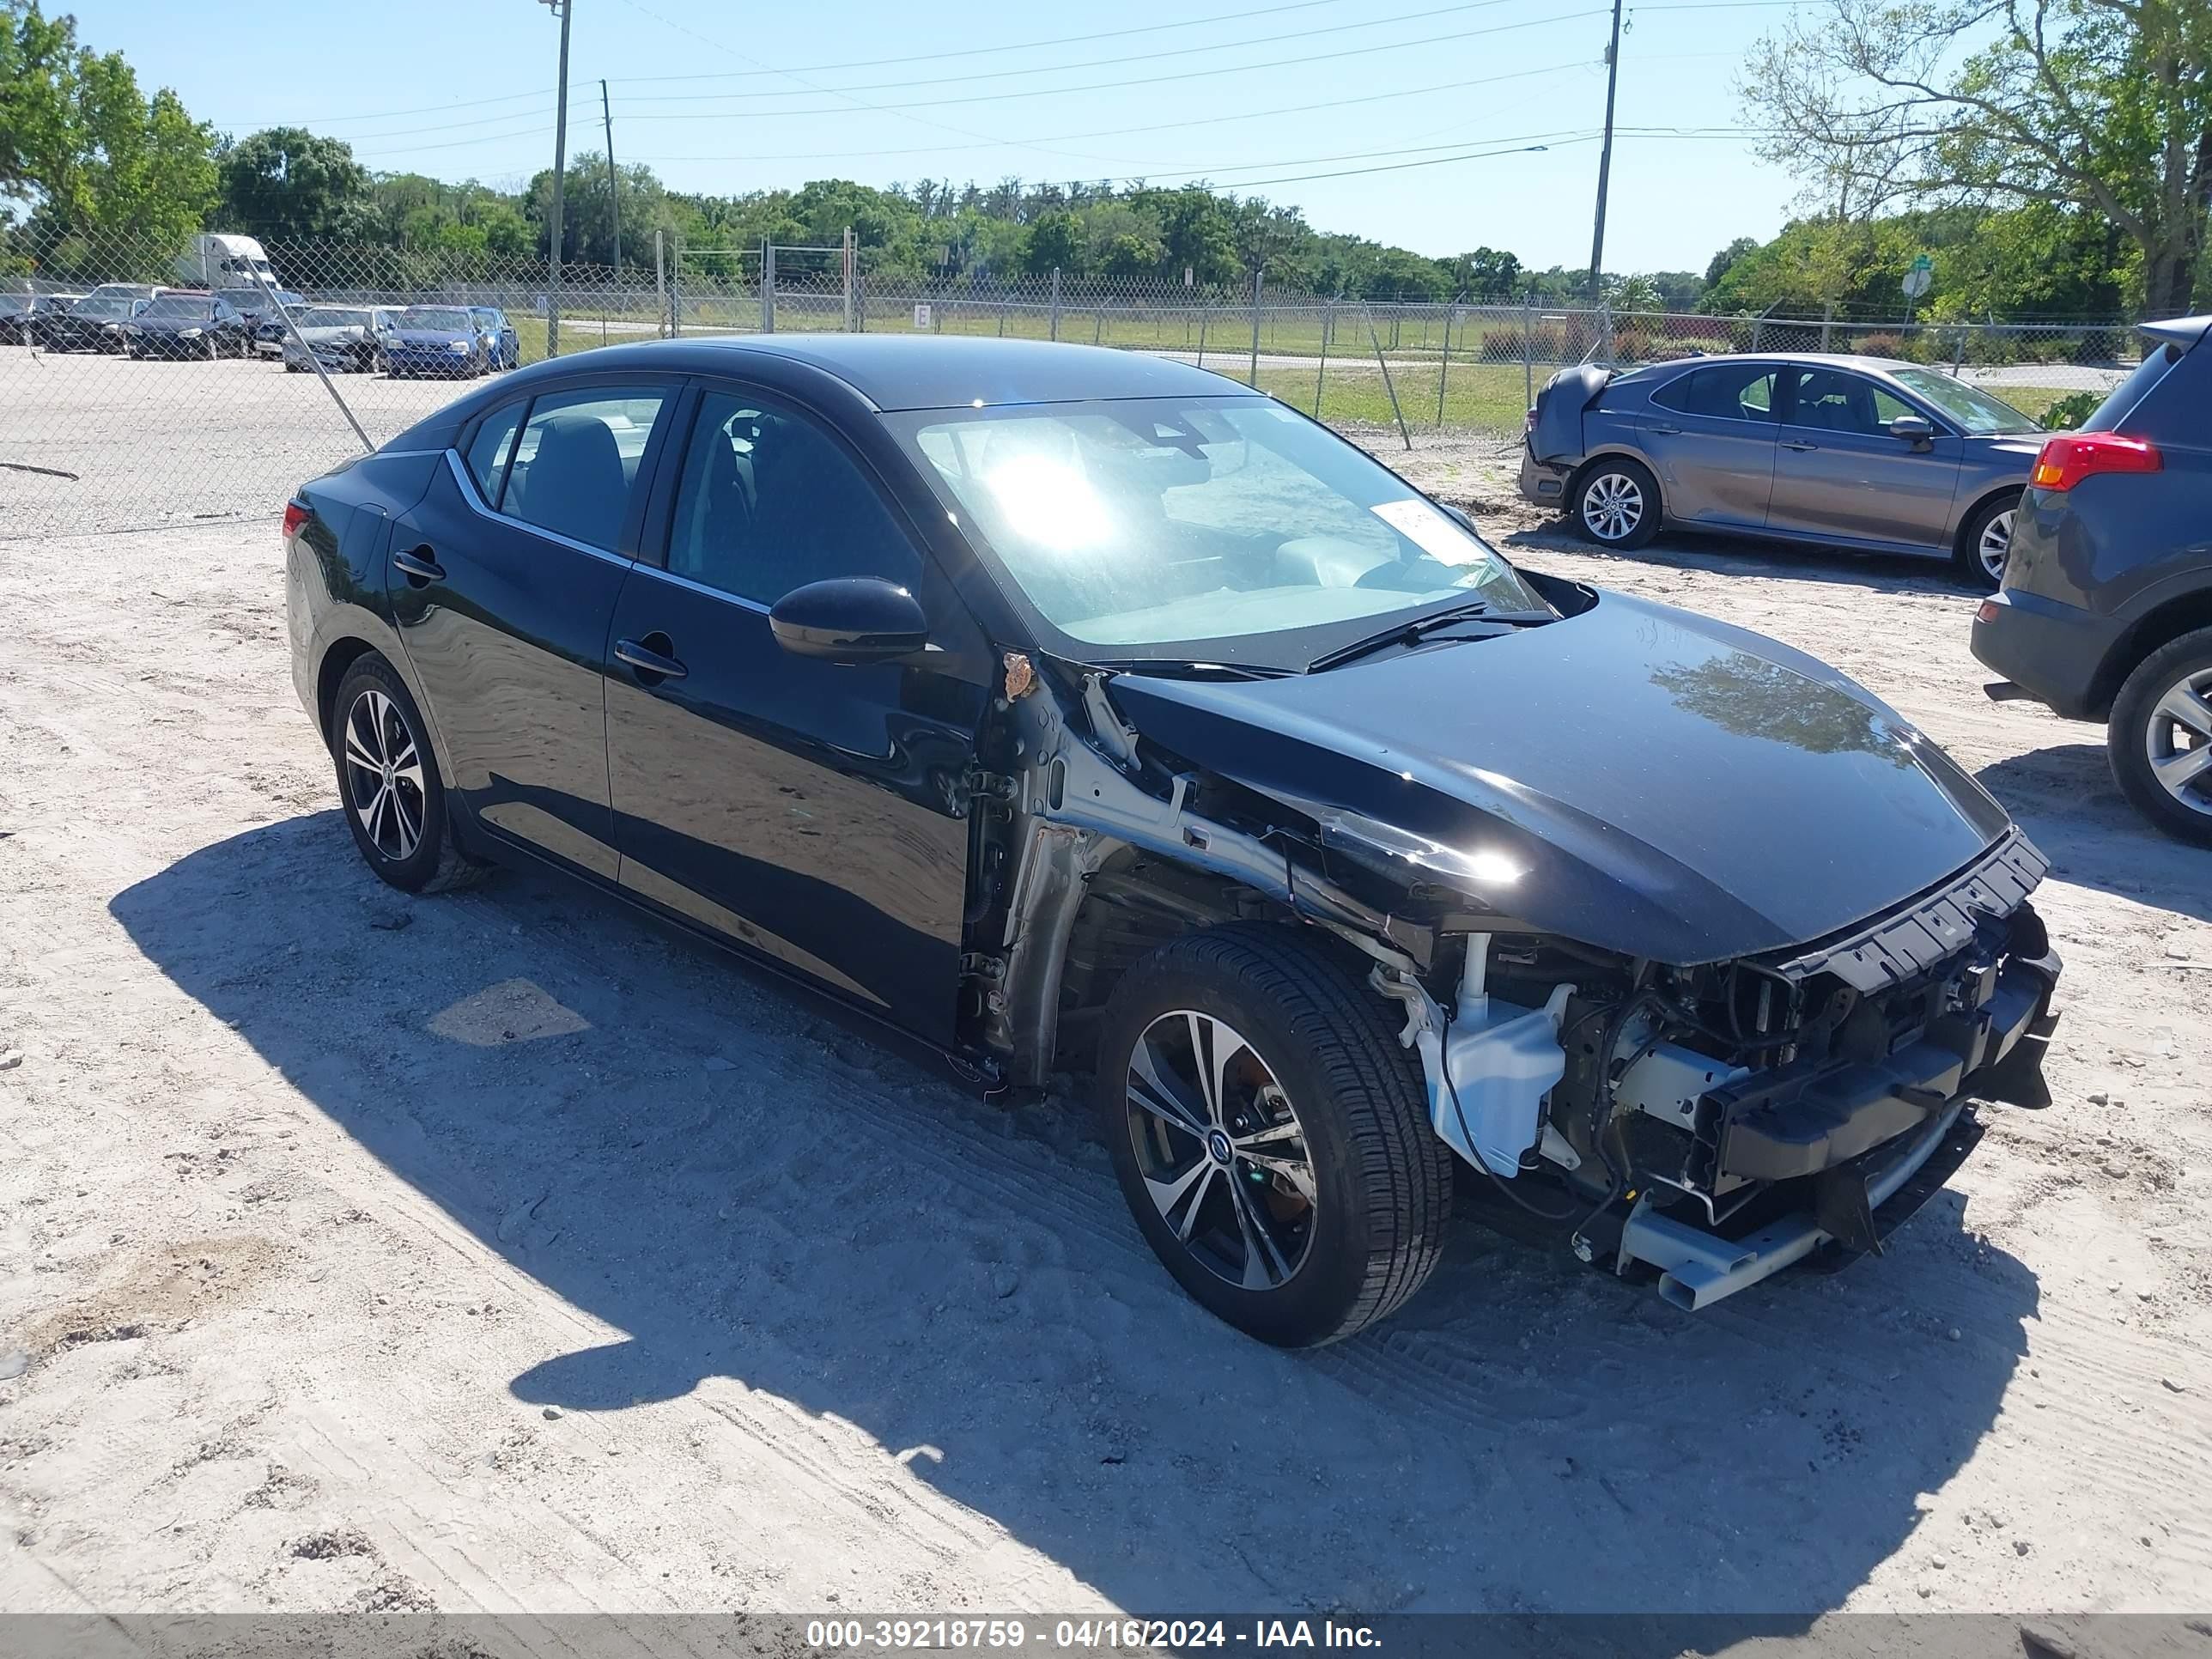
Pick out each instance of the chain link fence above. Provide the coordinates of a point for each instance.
(123, 404)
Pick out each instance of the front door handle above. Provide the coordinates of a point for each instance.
(1667, 431)
(1798, 443)
(419, 566)
(647, 660)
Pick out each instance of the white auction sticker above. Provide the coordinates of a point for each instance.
(1432, 532)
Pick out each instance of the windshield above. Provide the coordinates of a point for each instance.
(1218, 529)
(435, 318)
(333, 317)
(1975, 411)
(177, 307)
(100, 308)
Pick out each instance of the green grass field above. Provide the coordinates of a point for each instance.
(1481, 390)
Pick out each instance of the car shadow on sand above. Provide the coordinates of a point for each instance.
(2065, 798)
(749, 1188)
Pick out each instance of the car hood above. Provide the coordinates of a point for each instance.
(334, 334)
(1635, 777)
(423, 336)
(173, 324)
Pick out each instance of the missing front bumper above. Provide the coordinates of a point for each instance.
(1848, 1196)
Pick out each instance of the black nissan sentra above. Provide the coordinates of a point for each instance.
(1077, 710)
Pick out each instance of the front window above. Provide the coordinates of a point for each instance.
(1218, 529)
(436, 320)
(178, 308)
(1972, 410)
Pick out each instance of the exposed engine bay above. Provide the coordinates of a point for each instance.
(1715, 1120)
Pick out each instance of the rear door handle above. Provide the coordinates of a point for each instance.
(419, 566)
(1793, 443)
(647, 660)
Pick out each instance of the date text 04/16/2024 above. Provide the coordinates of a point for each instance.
(838, 1635)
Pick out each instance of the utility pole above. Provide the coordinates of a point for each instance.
(614, 178)
(1605, 157)
(561, 8)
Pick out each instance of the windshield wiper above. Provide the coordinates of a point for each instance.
(1192, 669)
(1413, 632)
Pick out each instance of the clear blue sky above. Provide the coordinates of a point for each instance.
(731, 96)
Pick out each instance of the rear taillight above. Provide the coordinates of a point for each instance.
(2067, 457)
(296, 517)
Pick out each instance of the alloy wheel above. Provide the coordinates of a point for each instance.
(1222, 1155)
(2178, 741)
(1995, 545)
(1612, 506)
(384, 775)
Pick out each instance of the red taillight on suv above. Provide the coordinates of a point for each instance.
(294, 517)
(2067, 457)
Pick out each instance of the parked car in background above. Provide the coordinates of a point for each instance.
(270, 333)
(343, 338)
(182, 323)
(24, 317)
(96, 322)
(504, 345)
(437, 340)
(257, 305)
(1856, 452)
(1070, 709)
(2105, 613)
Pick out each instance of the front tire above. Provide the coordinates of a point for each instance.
(388, 783)
(2160, 738)
(1985, 542)
(1269, 1133)
(1616, 503)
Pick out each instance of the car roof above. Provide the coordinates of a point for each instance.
(930, 371)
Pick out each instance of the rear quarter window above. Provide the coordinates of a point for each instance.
(2132, 404)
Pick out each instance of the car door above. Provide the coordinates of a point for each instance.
(1709, 434)
(813, 811)
(502, 580)
(1840, 471)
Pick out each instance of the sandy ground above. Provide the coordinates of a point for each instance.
(502, 1251)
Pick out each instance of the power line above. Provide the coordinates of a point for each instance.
(1394, 93)
(1024, 46)
(1106, 86)
(1045, 68)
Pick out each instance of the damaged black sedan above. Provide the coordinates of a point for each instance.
(1073, 710)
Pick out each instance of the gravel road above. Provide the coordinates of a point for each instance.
(502, 1251)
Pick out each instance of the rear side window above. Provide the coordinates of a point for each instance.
(577, 459)
(1733, 392)
(489, 449)
(2132, 392)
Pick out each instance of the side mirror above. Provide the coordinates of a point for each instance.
(1913, 429)
(849, 619)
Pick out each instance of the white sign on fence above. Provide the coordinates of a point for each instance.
(922, 316)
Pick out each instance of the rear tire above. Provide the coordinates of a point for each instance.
(388, 783)
(1352, 1204)
(1616, 503)
(1986, 543)
(2160, 738)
